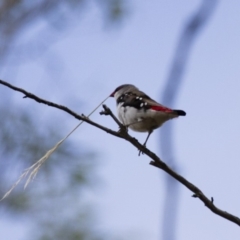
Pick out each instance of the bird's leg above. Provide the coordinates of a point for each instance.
(149, 133)
(145, 143)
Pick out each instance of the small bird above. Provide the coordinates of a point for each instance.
(139, 112)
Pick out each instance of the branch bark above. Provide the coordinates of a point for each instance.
(156, 161)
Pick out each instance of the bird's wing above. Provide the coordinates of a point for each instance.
(140, 100)
(159, 107)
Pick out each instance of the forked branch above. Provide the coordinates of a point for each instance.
(156, 161)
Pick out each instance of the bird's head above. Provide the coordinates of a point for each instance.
(122, 89)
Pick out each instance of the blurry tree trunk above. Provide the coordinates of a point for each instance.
(169, 96)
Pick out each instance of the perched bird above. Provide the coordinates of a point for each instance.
(139, 112)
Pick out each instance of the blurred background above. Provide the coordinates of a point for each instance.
(184, 54)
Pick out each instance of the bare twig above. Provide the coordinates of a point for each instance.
(107, 111)
(156, 161)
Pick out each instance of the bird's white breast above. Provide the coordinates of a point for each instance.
(141, 120)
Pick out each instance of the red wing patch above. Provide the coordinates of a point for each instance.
(161, 109)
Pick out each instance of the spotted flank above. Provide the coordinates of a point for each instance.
(131, 100)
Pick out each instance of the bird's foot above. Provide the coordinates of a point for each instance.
(140, 151)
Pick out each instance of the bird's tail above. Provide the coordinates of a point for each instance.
(180, 112)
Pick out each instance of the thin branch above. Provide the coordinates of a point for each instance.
(156, 161)
(107, 111)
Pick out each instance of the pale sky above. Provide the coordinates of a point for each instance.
(93, 60)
